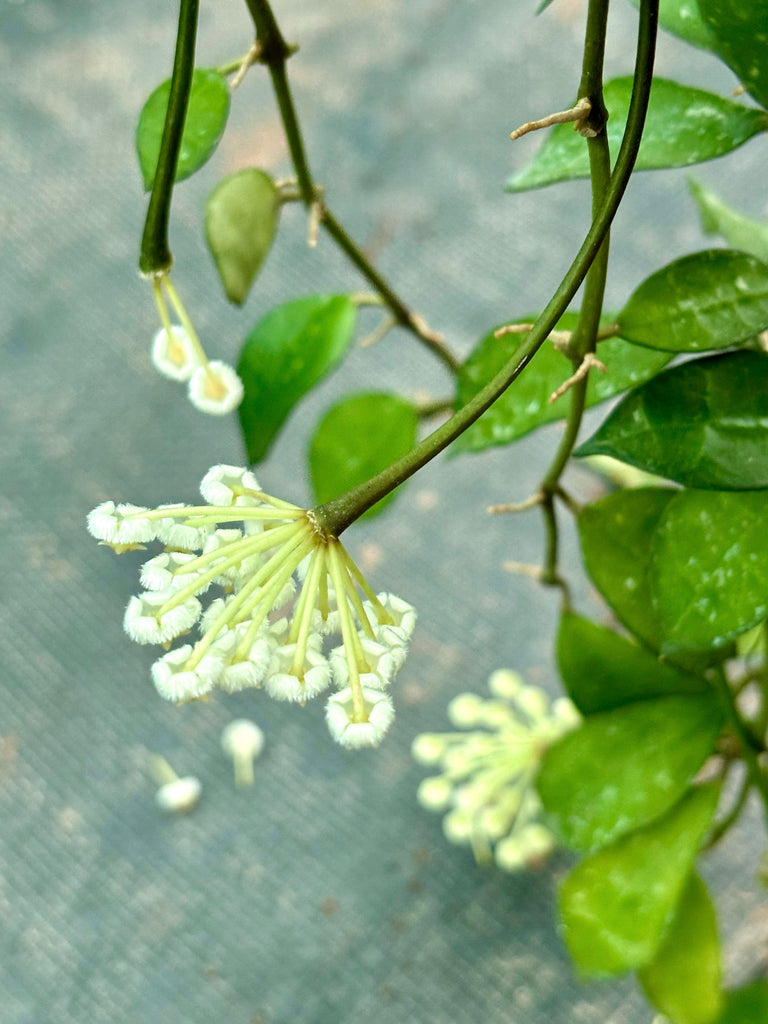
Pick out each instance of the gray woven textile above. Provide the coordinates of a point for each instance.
(324, 895)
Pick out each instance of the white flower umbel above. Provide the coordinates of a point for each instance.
(173, 353)
(215, 388)
(352, 729)
(487, 781)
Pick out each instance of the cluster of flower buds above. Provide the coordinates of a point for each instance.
(212, 386)
(286, 589)
(486, 785)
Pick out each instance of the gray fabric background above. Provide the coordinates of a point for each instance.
(324, 895)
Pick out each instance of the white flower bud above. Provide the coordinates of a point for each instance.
(434, 793)
(428, 748)
(466, 710)
(457, 827)
(505, 683)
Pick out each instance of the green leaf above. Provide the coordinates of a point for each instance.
(203, 126)
(602, 670)
(241, 217)
(653, 747)
(719, 219)
(292, 348)
(739, 31)
(357, 438)
(683, 979)
(748, 1005)
(616, 537)
(705, 127)
(703, 424)
(618, 903)
(709, 567)
(683, 19)
(708, 300)
(525, 405)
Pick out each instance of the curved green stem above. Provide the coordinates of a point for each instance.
(155, 256)
(335, 516)
(728, 701)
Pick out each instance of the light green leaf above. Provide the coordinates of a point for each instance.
(618, 903)
(739, 30)
(602, 670)
(289, 351)
(709, 567)
(204, 124)
(653, 747)
(703, 424)
(719, 219)
(683, 126)
(525, 405)
(357, 438)
(241, 216)
(708, 300)
(748, 1005)
(683, 19)
(683, 979)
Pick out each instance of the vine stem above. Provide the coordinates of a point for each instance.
(275, 51)
(155, 256)
(335, 516)
(728, 701)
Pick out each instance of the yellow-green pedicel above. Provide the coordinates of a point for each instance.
(282, 590)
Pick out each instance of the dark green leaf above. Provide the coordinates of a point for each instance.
(707, 300)
(653, 749)
(739, 31)
(357, 438)
(617, 904)
(683, 979)
(709, 567)
(683, 19)
(292, 348)
(705, 126)
(203, 127)
(703, 424)
(601, 670)
(719, 219)
(241, 216)
(525, 405)
(747, 1005)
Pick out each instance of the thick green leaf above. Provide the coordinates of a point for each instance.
(708, 300)
(709, 567)
(719, 219)
(616, 537)
(683, 19)
(683, 126)
(602, 670)
(525, 405)
(683, 979)
(617, 904)
(739, 31)
(653, 749)
(747, 1005)
(357, 438)
(292, 348)
(203, 126)
(241, 216)
(703, 424)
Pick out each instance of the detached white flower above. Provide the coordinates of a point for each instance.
(354, 729)
(215, 388)
(174, 354)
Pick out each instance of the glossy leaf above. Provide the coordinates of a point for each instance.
(717, 218)
(357, 438)
(616, 537)
(703, 424)
(748, 1005)
(708, 300)
(204, 124)
(739, 31)
(241, 217)
(617, 904)
(289, 351)
(525, 405)
(683, 979)
(709, 567)
(653, 748)
(683, 19)
(705, 127)
(602, 670)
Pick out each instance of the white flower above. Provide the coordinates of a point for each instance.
(158, 572)
(222, 485)
(403, 616)
(180, 536)
(175, 681)
(383, 664)
(121, 524)
(248, 672)
(146, 623)
(284, 681)
(215, 388)
(378, 710)
(174, 357)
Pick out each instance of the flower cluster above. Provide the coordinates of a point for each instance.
(487, 779)
(280, 590)
(212, 387)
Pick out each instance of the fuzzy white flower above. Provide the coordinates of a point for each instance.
(344, 726)
(222, 485)
(287, 681)
(121, 524)
(403, 615)
(181, 536)
(158, 572)
(175, 356)
(175, 681)
(383, 663)
(215, 388)
(248, 671)
(146, 622)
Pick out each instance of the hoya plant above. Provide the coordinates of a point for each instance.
(659, 740)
